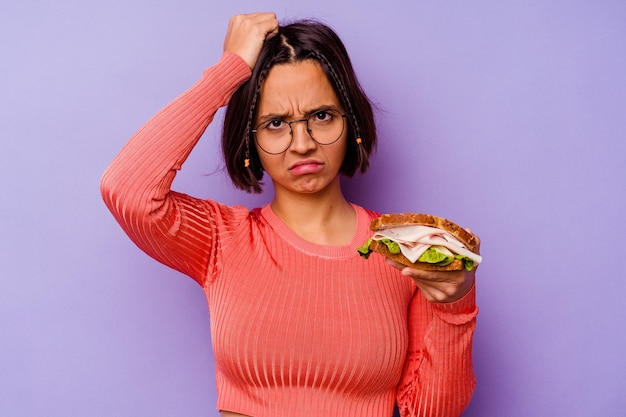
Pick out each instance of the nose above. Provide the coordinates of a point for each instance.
(301, 140)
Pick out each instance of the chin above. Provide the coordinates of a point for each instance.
(308, 188)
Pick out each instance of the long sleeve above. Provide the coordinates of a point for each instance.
(297, 328)
(173, 228)
(438, 378)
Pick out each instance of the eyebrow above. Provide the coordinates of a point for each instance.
(272, 116)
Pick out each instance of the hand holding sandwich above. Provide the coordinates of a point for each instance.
(440, 256)
(439, 286)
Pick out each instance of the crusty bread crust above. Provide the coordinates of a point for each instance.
(382, 249)
(387, 221)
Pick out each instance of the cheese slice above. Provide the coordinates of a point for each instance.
(414, 240)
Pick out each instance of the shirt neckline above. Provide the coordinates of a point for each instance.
(362, 233)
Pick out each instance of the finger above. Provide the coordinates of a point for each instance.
(270, 23)
(267, 22)
(395, 264)
(418, 274)
(246, 34)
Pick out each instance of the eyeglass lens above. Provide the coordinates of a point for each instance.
(324, 126)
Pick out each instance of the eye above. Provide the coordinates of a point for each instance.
(322, 116)
(274, 124)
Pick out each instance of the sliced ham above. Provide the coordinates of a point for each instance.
(415, 240)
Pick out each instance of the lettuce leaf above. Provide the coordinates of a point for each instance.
(394, 247)
(441, 256)
(437, 255)
(467, 262)
(365, 250)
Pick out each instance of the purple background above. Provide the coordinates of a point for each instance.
(508, 118)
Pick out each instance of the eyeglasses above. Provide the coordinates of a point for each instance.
(276, 135)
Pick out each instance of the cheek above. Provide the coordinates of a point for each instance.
(269, 163)
(262, 156)
(341, 152)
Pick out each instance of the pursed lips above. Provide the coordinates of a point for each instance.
(306, 166)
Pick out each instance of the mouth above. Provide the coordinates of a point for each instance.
(306, 166)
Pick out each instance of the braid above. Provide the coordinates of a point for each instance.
(342, 91)
(362, 154)
(253, 169)
(297, 42)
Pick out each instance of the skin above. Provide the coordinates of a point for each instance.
(308, 196)
(307, 190)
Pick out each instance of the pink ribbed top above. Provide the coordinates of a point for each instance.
(298, 329)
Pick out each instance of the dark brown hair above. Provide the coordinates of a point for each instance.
(294, 43)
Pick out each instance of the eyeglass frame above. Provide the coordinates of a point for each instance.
(306, 120)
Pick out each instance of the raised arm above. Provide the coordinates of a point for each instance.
(136, 186)
(173, 228)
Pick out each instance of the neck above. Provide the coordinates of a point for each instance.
(324, 218)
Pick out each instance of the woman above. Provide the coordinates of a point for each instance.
(301, 326)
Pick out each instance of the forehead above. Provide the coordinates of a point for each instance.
(293, 88)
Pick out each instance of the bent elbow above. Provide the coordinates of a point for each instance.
(109, 185)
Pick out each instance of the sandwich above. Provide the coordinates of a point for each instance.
(423, 241)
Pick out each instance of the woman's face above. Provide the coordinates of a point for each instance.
(294, 92)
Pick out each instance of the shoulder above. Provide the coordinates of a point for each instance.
(225, 217)
(365, 212)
